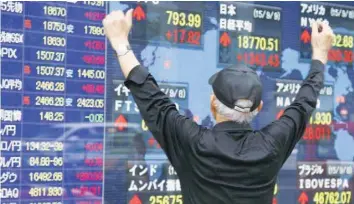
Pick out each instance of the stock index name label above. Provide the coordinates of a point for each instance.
(325, 182)
(340, 18)
(154, 182)
(249, 34)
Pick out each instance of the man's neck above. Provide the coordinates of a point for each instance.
(220, 119)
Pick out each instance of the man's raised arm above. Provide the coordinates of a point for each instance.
(290, 127)
(173, 131)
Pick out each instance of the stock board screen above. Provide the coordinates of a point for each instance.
(72, 133)
(52, 102)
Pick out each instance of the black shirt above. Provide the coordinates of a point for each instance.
(230, 163)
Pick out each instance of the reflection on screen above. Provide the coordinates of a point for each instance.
(72, 133)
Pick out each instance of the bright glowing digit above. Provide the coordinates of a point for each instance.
(182, 19)
(197, 20)
(169, 13)
(191, 20)
(175, 18)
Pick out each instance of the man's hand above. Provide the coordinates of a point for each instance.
(117, 27)
(321, 39)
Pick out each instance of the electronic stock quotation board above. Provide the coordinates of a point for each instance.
(71, 132)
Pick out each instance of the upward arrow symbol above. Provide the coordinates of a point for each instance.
(303, 199)
(305, 36)
(225, 39)
(139, 13)
(135, 200)
(121, 123)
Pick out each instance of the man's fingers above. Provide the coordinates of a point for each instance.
(325, 28)
(104, 21)
(315, 26)
(119, 14)
(333, 37)
(117, 23)
(129, 16)
(328, 32)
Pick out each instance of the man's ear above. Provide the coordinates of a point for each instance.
(212, 106)
(260, 106)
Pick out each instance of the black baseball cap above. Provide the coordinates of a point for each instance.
(237, 82)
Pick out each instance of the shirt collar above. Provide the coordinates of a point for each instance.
(232, 126)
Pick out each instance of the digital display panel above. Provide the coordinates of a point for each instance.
(319, 124)
(340, 18)
(177, 24)
(250, 34)
(72, 133)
